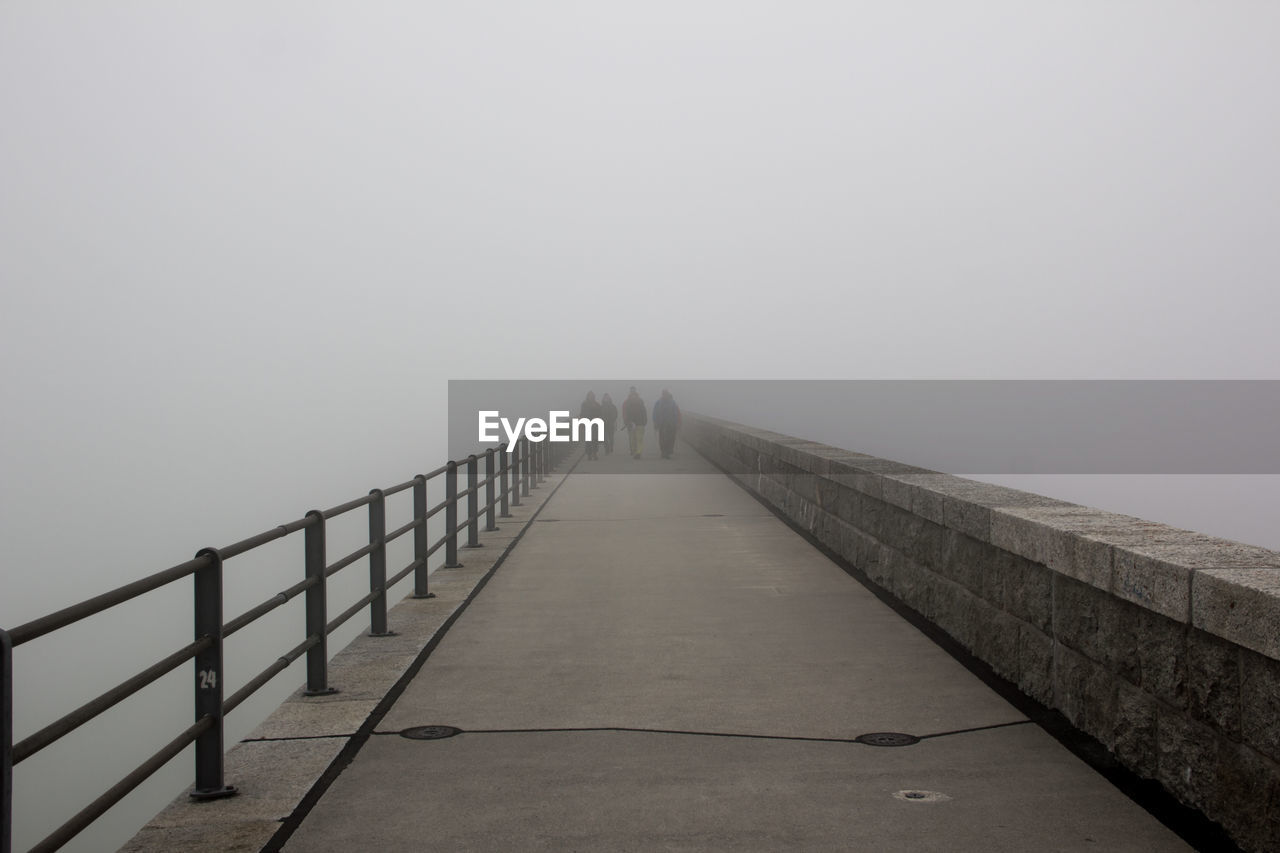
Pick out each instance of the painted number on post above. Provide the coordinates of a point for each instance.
(208, 679)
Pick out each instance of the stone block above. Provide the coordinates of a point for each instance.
(1027, 588)
(953, 609)
(1019, 535)
(1154, 584)
(1260, 703)
(1056, 536)
(1085, 692)
(1187, 757)
(1135, 730)
(826, 494)
(1084, 620)
(966, 561)
(869, 483)
(943, 606)
(896, 492)
(870, 517)
(927, 543)
(1213, 682)
(996, 639)
(1161, 654)
(884, 566)
(1154, 564)
(1248, 797)
(911, 584)
(967, 517)
(928, 504)
(1240, 605)
(1035, 664)
(858, 548)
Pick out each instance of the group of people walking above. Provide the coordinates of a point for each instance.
(634, 414)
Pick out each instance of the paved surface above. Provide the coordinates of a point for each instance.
(656, 666)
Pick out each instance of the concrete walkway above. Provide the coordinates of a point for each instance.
(661, 664)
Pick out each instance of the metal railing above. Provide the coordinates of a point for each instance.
(504, 484)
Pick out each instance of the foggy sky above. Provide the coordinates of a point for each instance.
(243, 246)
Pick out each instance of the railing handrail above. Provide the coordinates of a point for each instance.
(518, 471)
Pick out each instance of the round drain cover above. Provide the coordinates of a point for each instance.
(887, 739)
(430, 732)
(921, 796)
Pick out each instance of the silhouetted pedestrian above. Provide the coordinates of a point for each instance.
(591, 409)
(610, 414)
(634, 417)
(666, 420)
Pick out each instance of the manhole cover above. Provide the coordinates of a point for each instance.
(921, 796)
(430, 732)
(887, 739)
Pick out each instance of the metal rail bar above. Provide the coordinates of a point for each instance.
(253, 613)
(347, 507)
(238, 548)
(399, 487)
(267, 674)
(69, 615)
(350, 611)
(348, 560)
(32, 744)
(403, 573)
(444, 504)
(400, 531)
(119, 790)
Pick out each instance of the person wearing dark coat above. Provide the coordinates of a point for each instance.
(591, 409)
(610, 414)
(634, 417)
(666, 420)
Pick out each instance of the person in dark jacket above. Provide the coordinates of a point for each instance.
(610, 414)
(634, 417)
(666, 420)
(591, 409)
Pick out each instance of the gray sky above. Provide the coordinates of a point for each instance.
(243, 246)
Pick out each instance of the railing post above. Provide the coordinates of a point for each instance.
(490, 486)
(513, 463)
(504, 487)
(473, 501)
(317, 607)
(6, 743)
(451, 516)
(524, 467)
(209, 681)
(539, 461)
(378, 566)
(420, 542)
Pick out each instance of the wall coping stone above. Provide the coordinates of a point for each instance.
(1227, 588)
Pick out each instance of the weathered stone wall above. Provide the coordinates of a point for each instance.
(1162, 643)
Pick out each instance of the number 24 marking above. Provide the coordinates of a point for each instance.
(208, 679)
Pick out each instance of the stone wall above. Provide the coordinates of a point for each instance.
(1162, 643)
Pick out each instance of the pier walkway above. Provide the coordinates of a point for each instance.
(663, 664)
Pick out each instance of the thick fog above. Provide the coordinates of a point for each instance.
(244, 246)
